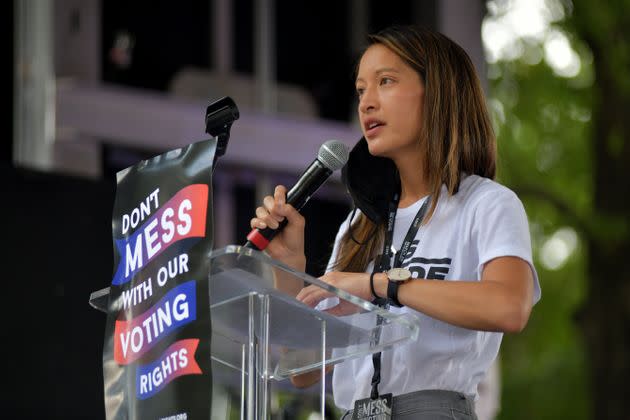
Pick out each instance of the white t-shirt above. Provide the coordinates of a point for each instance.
(484, 220)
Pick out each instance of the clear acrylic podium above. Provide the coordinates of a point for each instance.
(261, 333)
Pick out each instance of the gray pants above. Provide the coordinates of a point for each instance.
(431, 405)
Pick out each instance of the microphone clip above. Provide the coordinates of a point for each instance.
(219, 118)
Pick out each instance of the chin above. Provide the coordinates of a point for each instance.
(376, 149)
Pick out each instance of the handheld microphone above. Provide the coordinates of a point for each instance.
(332, 155)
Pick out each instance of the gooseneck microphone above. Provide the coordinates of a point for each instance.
(332, 155)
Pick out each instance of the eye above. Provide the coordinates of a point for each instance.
(360, 92)
(386, 80)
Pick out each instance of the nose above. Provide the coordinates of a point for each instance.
(368, 101)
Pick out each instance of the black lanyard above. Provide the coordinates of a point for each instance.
(384, 265)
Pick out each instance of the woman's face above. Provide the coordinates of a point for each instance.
(391, 98)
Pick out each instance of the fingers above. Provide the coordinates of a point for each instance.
(280, 194)
(257, 223)
(301, 294)
(272, 206)
(263, 219)
(312, 295)
(274, 210)
(293, 216)
(268, 214)
(308, 296)
(286, 210)
(280, 209)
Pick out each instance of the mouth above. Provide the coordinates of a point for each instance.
(372, 127)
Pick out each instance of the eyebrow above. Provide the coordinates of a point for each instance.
(379, 71)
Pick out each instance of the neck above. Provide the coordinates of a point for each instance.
(413, 185)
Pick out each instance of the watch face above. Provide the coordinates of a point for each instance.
(399, 274)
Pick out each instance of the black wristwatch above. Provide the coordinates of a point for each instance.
(396, 277)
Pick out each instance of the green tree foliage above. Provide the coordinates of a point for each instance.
(564, 147)
(543, 124)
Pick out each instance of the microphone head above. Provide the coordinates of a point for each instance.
(333, 154)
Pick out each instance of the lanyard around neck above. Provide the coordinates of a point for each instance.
(384, 263)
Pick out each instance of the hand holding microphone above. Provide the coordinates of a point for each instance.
(273, 216)
(282, 223)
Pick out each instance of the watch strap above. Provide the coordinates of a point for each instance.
(381, 301)
(392, 293)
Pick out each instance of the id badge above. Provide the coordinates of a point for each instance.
(378, 409)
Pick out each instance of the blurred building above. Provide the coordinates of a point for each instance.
(99, 85)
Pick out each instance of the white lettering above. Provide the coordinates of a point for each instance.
(135, 220)
(183, 263)
(143, 384)
(184, 228)
(183, 358)
(125, 223)
(157, 377)
(137, 294)
(145, 209)
(168, 366)
(124, 341)
(139, 214)
(154, 196)
(155, 324)
(133, 261)
(168, 225)
(150, 237)
(146, 288)
(164, 317)
(173, 268)
(162, 276)
(180, 311)
(136, 339)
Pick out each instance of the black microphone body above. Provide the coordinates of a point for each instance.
(309, 182)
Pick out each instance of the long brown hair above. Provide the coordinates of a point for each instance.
(456, 134)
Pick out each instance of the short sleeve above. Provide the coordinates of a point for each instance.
(343, 228)
(501, 229)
